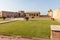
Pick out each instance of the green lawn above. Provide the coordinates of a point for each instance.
(33, 28)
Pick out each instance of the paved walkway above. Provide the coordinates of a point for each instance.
(10, 37)
(11, 20)
(1, 22)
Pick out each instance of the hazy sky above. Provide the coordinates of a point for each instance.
(29, 5)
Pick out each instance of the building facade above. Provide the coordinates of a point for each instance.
(56, 14)
(9, 14)
(21, 13)
(50, 13)
(33, 14)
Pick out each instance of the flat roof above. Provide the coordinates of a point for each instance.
(55, 27)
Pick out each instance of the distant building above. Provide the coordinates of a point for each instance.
(33, 14)
(9, 14)
(21, 13)
(50, 13)
(56, 14)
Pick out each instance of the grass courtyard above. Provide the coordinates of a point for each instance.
(32, 28)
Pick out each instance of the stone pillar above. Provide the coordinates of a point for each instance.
(55, 32)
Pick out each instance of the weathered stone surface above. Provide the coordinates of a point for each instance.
(55, 32)
(56, 14)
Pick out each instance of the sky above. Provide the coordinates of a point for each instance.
(29, 5)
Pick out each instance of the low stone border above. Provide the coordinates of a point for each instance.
(14, 37)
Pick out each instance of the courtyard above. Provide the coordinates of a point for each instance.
(32, 28)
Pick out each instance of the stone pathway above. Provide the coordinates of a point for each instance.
(11, 20)
(10, 37)
(1, 22)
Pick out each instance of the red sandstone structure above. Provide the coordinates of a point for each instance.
(55, 32)
(9, 14)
